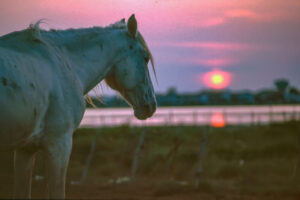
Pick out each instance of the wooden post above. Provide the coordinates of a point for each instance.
(195, 118)
(202, 154)
(271, 116)
(137, 155)
(252, 118)
(296, 165)
(173, 150)
(284, 116)
(294, 116)
(294, 174)
(225, 117)
(89, 158)
(170, 117)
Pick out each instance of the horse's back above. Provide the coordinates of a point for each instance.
(37, 92)
(23, 96)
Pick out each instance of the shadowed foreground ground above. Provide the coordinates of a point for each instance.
(241, 163)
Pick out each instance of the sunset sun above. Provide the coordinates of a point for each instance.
(216, 79)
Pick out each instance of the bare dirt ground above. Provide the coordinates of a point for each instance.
(165, 192)
(142, 190)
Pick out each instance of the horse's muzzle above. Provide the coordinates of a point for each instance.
(145, 111)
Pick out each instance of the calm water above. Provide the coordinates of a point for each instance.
(214, 115)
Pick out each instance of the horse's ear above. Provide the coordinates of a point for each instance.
(132, 26)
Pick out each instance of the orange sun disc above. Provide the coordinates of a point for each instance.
(216, 79)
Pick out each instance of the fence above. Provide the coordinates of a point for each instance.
(216, 116)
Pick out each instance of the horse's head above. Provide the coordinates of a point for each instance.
(130, 75)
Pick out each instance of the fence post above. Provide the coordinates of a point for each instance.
(137, 155)
(284, 114)
(296, 165)
(202, 154)
(252, 115)
(195, 118)
(170, 118)
(89, 158)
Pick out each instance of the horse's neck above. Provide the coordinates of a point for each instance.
(91, 56)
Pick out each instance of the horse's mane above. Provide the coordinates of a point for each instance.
(35, 34)
(144, 44)
(35, 31)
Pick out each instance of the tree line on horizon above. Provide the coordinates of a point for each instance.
(281, 93)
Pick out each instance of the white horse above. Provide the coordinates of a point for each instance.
(44, 77)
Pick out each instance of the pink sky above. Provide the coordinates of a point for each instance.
(253, 37)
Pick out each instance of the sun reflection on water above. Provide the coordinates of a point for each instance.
(217, 120)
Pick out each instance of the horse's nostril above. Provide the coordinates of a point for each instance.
(147, 108)
(150, 108)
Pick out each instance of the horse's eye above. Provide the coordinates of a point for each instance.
(147, 59)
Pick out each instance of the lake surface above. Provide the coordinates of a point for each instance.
(217, 116)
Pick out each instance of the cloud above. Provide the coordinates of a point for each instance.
(204, 53)
(210, 22)
(243, 13)
(260, 15)
(215, 62)
(205, 45)
(207, 62)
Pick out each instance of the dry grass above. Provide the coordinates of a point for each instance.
(241, 163)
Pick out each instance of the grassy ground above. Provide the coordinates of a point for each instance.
(240, 163)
